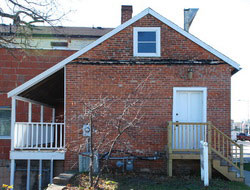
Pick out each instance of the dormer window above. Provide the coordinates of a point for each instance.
(147, 41)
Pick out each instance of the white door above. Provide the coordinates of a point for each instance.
(188, 108)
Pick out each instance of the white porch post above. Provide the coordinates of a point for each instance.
(40, 174)
(28, 175)
(41, 115)
(53, 115)
(51, 171)
(30, 113)
(12, 172)
(13, 121)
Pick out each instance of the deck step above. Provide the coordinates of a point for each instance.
(226, 171)
(63, 178)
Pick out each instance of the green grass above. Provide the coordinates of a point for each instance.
(161, 182)
(247, 166)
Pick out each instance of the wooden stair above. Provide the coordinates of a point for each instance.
(225, 171)
(224, 155)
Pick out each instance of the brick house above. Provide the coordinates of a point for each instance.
(48, 46)
(188, 81)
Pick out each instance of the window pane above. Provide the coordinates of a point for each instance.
(146, 36)
(5, 118)
(146, 47)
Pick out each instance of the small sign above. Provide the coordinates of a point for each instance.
(86, 130)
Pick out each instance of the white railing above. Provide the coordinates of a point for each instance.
(187, 136)
(32, 135)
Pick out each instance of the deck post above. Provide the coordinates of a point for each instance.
(41, 114)
(13, 121)
(51, 171)
(30, 113)
(241, 161)
(53, 115)
(12, 172)
(40, 174)
(209, 133)
(170, 161)
(28, 175)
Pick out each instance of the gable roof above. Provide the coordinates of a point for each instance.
(61, 64)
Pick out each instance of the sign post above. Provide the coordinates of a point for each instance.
(204, 163)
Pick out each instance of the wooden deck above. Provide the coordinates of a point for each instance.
(184, 143)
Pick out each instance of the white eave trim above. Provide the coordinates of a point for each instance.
(195, 40)
(61, 64)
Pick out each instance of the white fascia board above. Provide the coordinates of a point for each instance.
(61, 64)
(195, 39)
(35, 155)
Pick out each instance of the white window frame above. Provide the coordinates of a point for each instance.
(6, 137)
(158, 41)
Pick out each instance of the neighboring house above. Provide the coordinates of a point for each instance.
(241, 127)
(56, 37)
(189, 84)
(18, 65)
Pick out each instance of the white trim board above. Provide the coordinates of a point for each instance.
(35, 155)
(61, 64)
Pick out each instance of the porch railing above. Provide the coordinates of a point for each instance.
(187, 136)
(32, 135)
(226, 148)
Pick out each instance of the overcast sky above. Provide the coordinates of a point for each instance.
(223, 24)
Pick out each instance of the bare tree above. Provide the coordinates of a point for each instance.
(23, 14)
(110, 118)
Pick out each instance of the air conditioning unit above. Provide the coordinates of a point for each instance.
(84, 161)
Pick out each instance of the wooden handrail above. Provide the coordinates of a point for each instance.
(225, 136)
(185, 123)
(217, 137)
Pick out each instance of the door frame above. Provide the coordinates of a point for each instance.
(191, 89)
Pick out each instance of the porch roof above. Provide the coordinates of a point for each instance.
(49, 91)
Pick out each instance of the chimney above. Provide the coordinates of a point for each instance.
(127, 11)
(189, 15)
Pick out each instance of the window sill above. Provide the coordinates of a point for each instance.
(146, 55)
(5, 137)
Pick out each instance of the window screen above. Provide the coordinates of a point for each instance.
(5, 122)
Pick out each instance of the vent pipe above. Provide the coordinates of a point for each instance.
(189, 15)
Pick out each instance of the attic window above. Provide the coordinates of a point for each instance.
(147, 41)
(59, 45)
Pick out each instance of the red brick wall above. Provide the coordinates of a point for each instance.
(85, 82)
(173, 44)
(88, 82)
(16, 67)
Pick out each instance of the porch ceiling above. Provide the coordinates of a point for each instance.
(49, 91)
